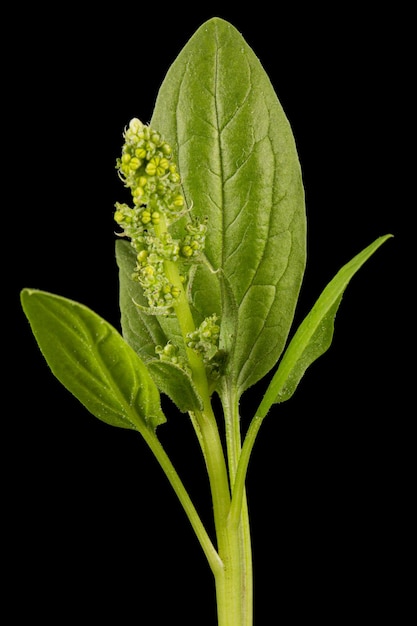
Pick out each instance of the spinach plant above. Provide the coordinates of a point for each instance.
(211, 253)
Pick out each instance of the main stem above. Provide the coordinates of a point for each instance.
(233, 579)
(239, 521)
(228, 578)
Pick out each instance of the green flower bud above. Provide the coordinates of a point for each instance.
(148, 270)
(118, 216)
(178, 201)
(146, 217)
(140, 153)
(135, 125)
(138, 192)
(151, 169)
(134, 164)
(124, 168)
(174, 177)
(142, 256)
(150, 150)
(187, 251)
(205, 338)
(157, 166)
(170, 353)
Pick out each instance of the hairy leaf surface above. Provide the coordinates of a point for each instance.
(92, 360)
(176, 384)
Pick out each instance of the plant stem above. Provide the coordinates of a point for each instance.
(225, 563)
(226, 580)
(242, 468)
(212, 555)
(233, 579)
(238, 523)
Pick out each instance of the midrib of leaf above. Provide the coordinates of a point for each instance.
(219, 150)
(225, 178)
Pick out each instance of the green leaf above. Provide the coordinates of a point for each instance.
(239, 166)
(314, 334)
(92, 360)
(177, 384)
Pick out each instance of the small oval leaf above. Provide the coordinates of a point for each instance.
(92, 360)
(176, 384)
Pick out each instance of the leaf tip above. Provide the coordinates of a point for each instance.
(26, 293)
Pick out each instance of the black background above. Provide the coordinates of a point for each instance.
(93, 528)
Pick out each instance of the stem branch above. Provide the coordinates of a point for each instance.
(212, 555)
(242, 468)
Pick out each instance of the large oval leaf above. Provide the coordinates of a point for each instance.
(239, 166)
(92, 360)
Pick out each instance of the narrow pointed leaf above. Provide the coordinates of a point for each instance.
(314, 334)
(92, 360)
(239, 166)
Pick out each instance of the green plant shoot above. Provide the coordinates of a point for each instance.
(211, 254)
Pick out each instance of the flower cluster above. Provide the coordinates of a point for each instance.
(147, 169)
(205, 341)
(193, 242)
(205, 338)
(170, 353)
